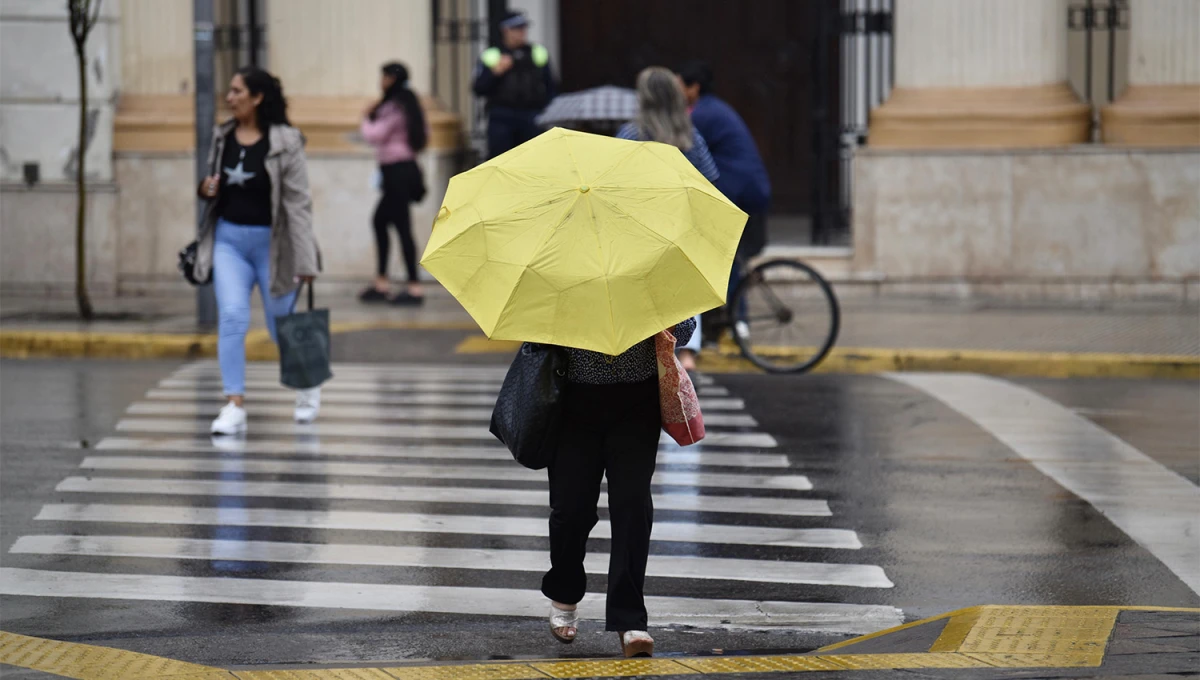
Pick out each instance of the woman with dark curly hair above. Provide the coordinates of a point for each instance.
(257, 230)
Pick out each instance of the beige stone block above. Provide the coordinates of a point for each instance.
(1171, 211)
(157, 213)
(942, 215)
(1077, 215)
(37, 239)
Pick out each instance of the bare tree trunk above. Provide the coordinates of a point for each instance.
(81, 293)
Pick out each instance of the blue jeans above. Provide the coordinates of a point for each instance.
(241, 258)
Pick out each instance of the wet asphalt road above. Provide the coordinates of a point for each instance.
(946, 510)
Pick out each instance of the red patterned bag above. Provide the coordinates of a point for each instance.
(681, 416)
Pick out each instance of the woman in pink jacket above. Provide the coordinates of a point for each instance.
(396, 128)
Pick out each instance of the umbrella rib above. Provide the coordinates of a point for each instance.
(668, 242)
(549, 234)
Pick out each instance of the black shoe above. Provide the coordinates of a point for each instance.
(407, 300)
(372, 294)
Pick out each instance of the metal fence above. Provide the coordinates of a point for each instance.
(863, 80)
(1098, 49)
(461, 32)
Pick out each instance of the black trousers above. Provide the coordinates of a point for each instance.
(613, 431)
(398, 184)
(509, 129)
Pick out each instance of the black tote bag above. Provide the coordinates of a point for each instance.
(304, 348)
(528, 412)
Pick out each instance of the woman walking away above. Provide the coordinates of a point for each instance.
(612, 416)
(257, 230)
(663, 117)
(396, 128)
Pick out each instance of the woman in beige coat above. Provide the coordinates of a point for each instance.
(257, 230)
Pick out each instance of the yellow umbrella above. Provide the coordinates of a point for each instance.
(584, 241)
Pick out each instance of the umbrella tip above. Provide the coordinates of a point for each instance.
(583, 188)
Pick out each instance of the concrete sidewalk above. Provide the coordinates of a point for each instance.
(1135, 339)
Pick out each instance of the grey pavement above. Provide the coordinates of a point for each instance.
(359, 553)
(1162, 328)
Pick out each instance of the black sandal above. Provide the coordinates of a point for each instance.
(372, 294)
(406, 299)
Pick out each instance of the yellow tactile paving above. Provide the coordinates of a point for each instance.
(760, 664)
(320, 674)
(979, 637)
(482, 671)
(863, 662)
(619, 668)
(89, 662)
(1041, 630)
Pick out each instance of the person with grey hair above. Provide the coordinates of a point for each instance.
(663, 117)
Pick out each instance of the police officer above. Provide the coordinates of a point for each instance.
(516, 79)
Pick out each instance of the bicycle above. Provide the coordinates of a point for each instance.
(786, 316)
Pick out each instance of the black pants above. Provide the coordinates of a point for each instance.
(608, 430)
(399, 181)
(509, 129)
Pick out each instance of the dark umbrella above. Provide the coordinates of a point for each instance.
(599, 104)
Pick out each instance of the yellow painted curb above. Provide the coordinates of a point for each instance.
(986, 637)
(31, 344)
(870, 360)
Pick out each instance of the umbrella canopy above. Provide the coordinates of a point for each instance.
(608, 103)
(584, 241)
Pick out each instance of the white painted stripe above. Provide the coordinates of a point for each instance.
(678, 532)
(179, 426)
(796, 507)
(411, 470)
(255, 385)
(384, 376)
(378, 413)
(292, 447)
(842, 618)
(271, 369)
(670, 566)
(1157, 507)
(215, 400)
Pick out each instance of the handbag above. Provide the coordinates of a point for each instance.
(304, 346)
(680, 407)
(528, 413)
(186, 260)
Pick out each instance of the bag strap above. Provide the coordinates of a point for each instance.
(297, 298)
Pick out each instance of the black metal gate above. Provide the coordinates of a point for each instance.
(462, 30)
(854, 66)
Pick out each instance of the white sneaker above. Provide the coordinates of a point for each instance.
(231, 420)
(742, 329)
(308, 404)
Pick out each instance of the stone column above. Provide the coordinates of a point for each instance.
(156, 108)
(1161, 106)
(980, 74)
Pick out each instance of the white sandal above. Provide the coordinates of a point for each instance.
(562, 618)
(636, 643)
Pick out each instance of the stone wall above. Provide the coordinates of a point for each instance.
(138, 224)
(1083, 216)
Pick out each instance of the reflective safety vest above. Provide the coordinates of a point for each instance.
(524, 85)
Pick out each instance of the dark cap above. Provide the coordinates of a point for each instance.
(513, 19)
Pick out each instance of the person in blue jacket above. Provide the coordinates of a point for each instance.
(743, 177)
(518, 83)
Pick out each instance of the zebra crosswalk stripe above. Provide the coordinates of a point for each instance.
(315, 448)
(712, 613)
(399, 431)
(794, 507)
(404, 454)
(411, 471)
(481, 525)
(669, 566)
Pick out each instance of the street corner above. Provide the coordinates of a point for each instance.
(984, 642)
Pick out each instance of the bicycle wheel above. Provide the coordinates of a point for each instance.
(787, 317)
